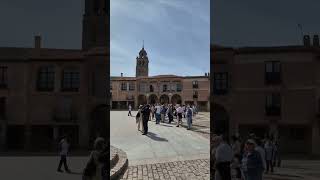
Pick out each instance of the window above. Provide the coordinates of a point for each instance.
(3, 77)
(272, 72)
(123, 86)
(220, 83)
(195, 94)
(179, 87)
(151, 88)
(131, 87)
(164, 88)
(143, 87)
(45, 80)
(195, 84)
(273, 104)
(71, 80)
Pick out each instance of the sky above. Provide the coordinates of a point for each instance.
(263, 23)
(176, 35)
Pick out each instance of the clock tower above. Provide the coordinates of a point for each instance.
(95, 31)
(142, 67)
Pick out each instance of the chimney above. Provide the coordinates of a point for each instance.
(37, 42)
(121, 74)
(316, 40)
(306, 40)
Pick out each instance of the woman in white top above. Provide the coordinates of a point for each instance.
(139, 119)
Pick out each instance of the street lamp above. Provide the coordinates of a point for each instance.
(170, 94)
(147, 97)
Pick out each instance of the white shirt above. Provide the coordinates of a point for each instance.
(64, 147)
(158, 109)
(129, 108)
(223, 153)
(179, 109)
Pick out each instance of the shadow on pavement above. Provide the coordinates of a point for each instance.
(165, 125)
(155, 137)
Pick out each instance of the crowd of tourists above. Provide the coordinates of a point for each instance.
(165, 113)
(245, 159)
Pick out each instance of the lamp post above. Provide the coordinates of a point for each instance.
(147, 97)
(170, 94)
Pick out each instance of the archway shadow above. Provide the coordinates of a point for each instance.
(153, 136)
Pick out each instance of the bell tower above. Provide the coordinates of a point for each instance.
(95, 31)
(142, 67)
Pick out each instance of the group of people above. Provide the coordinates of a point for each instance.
(245, 160)
(96, 167)
(162, 112)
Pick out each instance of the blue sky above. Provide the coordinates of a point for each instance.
(263, 23)
(176, 36)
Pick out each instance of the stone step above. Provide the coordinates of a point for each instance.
(114, 157)
(121, 166)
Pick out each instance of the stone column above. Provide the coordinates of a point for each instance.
(27, 134)
(3, 135)
(315, 138)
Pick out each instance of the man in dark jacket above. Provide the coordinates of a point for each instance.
(252, 164)
(145, 118)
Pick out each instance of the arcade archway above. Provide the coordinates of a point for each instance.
(153, 99)
(220, 120)
(176, 99)
(142, 99)
(98, 124)
(164, 99)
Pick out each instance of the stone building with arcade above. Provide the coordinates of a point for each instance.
(269, 91)
(158, 89)
(46, 93)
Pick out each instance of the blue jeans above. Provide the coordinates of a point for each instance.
(158, 118)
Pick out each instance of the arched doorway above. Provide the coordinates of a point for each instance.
(98, 123)
(142, 99)
(164, 99)
(220, 120)
(176, 99)
(153, 99)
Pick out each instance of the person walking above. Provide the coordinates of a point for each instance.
(158, 111)
(163, 113)
(139, 120)
(189, 117)
(252, 166)
(152, 111)
(95, 165)
(145, 118)
(223, 158)
(130, 108)
(179, 115)
(260, 149)
(64, 150)
(170, 113)
(269, 149)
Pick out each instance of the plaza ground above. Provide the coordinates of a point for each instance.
(164, 142)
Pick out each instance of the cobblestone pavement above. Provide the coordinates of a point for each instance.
(179, 170)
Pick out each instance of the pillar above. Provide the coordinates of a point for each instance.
(3, 135)
(315, 138)
(28, 134)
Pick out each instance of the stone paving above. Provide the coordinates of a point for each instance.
(165, 142)
(179, 170)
